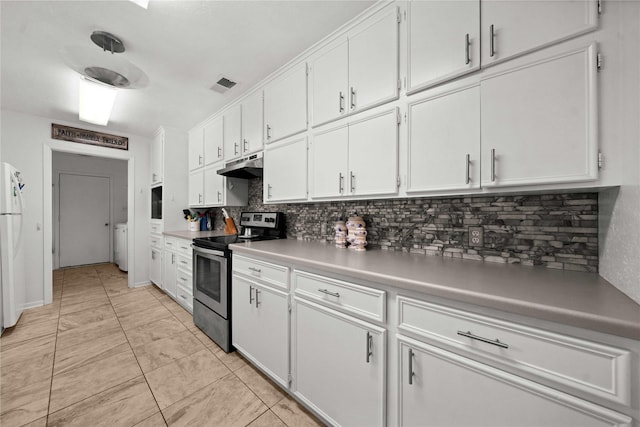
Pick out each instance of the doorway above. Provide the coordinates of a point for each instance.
(84, 219)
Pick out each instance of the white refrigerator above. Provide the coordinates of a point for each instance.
(11, 257)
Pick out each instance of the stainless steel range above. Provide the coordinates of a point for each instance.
(212, 272)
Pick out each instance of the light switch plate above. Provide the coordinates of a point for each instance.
(476, 236)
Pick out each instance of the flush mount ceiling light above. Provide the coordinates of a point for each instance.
(142, 3)
(102, 71)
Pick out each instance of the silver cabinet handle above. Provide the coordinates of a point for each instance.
(341, 102)
(353, 98)
(492, 46)
(340, 183)
(183, 297)
(173, 258)
(411, 373)
(467, 167)
(255, 270)
(257, 294)
(326, 291)
(268, 191)
(219, 151)
(219, 196)
(153, 255)
(244, 145)
(352, 179)
(200, 159)
(183, 278)
(153, 177)
(369, 346)
(250, 295)
(268, 132)
(467, 48)
(199, 198)
(493, 165)
(495, 342)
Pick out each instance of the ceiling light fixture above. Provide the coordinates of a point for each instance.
(142, 3)
(96, 101)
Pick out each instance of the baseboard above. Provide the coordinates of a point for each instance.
(141, 284)
(34, 304)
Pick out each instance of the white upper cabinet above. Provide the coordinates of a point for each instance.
(328, 158)
(157, 156)
(196, 188)
(232, 132)
(444, 141)
(511, 28)
(252, 123)
(214, 141)
(285, 104)
(285, 171)
(330, 84)
(443, 41)
(539, 122)
(358, 73)
(219, 190)
(196, 148)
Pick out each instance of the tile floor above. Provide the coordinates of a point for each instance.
(104, 354)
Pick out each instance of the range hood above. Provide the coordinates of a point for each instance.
(246, 167)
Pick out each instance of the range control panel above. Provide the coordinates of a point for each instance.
(260, 219)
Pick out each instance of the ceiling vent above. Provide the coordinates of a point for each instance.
(223, 85)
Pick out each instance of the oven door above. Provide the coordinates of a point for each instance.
(210, 280)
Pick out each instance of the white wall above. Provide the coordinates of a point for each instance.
(25, 141)
(116, 170)
(619, 208)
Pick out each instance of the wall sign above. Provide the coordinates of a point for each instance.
(82, 136)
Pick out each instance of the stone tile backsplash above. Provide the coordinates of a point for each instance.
(555, 230)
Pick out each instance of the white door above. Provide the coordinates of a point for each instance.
(444, 41)
(252, 123)
(261, 326)
(214, 141)
(444, 141)
(511, 28)
(155, 267)
(213, 186)
(339, 365)
(170, 283)
(157, 154)
(373, 155)
(196, 148)
(328, 162)
(330, 84)
(285, 171)
(196, 188)
(373, 62)
(232, 128)
(550, 138)
(285, 104)
(85, 228)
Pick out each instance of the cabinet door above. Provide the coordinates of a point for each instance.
(328, 162)
(511, 28)
(260, 317)
(213, 141)
(285, 104)
(157, 151)
(439, 388)
(285, 171)
(330, 84)
(196, 148)
(196, 188)
(213, 187)
(444, 142)
(444, 41)
(252, 123)
(232, 130)
(539, 122)
(155, 267)
(339, 365)
(170, 283)
(373, 62)
(373, 155)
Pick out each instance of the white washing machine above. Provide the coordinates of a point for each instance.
(120, 246)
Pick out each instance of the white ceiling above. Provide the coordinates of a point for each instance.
(183, 47)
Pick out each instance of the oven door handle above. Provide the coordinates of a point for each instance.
(207, 251)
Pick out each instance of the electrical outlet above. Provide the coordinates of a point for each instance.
(476, 236)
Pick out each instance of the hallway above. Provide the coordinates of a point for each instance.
(105, 354)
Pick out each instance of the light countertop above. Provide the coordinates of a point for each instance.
(579, 299)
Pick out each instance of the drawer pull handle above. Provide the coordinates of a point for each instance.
(183, 297)
(184, 262)
(183, 278)
(495, 342)
(369, 346)
(411, 373)
(326, 291)
(255, 270)
(257, 294)
(250, 295)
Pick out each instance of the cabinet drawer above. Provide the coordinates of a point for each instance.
(170, 243)
(590, 367)
(156, 242)
(356, 299)
(185, 263)
(272, 274)
(185, 298)
(156, 228)
(184, 247)
(185, 280)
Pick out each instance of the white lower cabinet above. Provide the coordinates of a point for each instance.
(170, 273)
(260, 316)
(339, 365)
(440, 388)
(155, 266)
